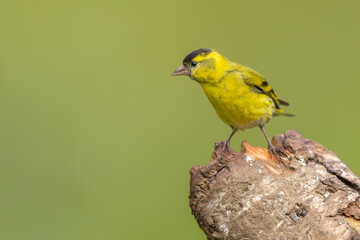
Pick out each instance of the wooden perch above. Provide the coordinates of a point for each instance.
(247, 195)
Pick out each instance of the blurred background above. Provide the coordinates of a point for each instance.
(96, 138)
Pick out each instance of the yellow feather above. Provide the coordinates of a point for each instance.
(236, 104)
(241, 97)
(235, 90)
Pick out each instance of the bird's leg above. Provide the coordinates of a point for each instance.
(227, 143)
(271, 148)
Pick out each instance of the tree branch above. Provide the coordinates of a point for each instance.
(248, 195)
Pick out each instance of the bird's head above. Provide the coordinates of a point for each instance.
(203, 65)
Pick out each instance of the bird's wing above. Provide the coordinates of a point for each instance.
(258, 83)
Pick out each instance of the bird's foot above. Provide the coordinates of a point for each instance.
(224, 163)
(226, 147)
(273, 151)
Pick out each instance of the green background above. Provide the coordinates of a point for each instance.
(96, 138)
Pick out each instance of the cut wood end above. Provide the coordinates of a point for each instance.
(263, 156)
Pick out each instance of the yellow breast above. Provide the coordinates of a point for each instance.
(236, 104)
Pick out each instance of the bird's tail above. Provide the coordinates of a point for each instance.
(284, 114)
(280, 112)
(282, 102)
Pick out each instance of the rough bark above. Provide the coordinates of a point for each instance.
(249, 195)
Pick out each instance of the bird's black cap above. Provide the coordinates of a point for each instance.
(193, 54)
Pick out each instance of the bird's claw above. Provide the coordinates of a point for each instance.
(226, 147)
(272, 150)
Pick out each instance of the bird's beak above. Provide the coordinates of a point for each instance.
(182, 70)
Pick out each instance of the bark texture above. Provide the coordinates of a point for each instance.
(249, 195)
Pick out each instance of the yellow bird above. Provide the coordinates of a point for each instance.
(241, 97)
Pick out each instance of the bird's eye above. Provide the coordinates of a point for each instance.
(193, 63)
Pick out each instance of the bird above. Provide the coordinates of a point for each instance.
(241, 96)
